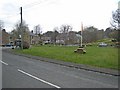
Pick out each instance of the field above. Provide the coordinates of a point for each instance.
(106, 57)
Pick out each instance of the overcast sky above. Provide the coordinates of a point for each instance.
(52, 13)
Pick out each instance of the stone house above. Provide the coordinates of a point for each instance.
(46, 39)
(34, 39)
(5, 37)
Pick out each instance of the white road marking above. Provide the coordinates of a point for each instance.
(38, 78)
(3, 62)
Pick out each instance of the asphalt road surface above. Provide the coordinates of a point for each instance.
(23, 72)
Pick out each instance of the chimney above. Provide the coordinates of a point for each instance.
(4, 30)
(32, 31)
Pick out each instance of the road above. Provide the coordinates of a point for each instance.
(23, 72)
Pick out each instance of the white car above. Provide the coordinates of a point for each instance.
(102, 44)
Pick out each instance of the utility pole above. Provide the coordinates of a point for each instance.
(21, 28)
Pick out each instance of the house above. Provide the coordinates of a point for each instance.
(34, 39)
(28, 37)
(67, 39)
(5, 37)
(46, 39)
(0, 37)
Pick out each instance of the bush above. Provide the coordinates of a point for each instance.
(89, 44)
(26, 45)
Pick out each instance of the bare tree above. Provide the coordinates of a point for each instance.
(38, 32)
(37, 29)
(19, 30)
(72, 37)
(64, 29)
(116, 23)
(116, 19)
(90, 34)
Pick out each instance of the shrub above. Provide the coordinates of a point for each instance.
(26, 45)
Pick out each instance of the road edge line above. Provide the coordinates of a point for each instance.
(30, 75)
(3, 62)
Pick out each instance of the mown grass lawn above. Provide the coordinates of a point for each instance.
(106, 57)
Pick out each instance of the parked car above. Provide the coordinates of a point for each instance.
(8, 45)
(102, 44)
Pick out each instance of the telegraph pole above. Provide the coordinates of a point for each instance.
(21, 28)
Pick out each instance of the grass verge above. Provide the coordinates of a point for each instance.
(106, 57)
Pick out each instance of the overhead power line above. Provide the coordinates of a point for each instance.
(9, 16)
(30, 5)
(25, 7)
(34, 4)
